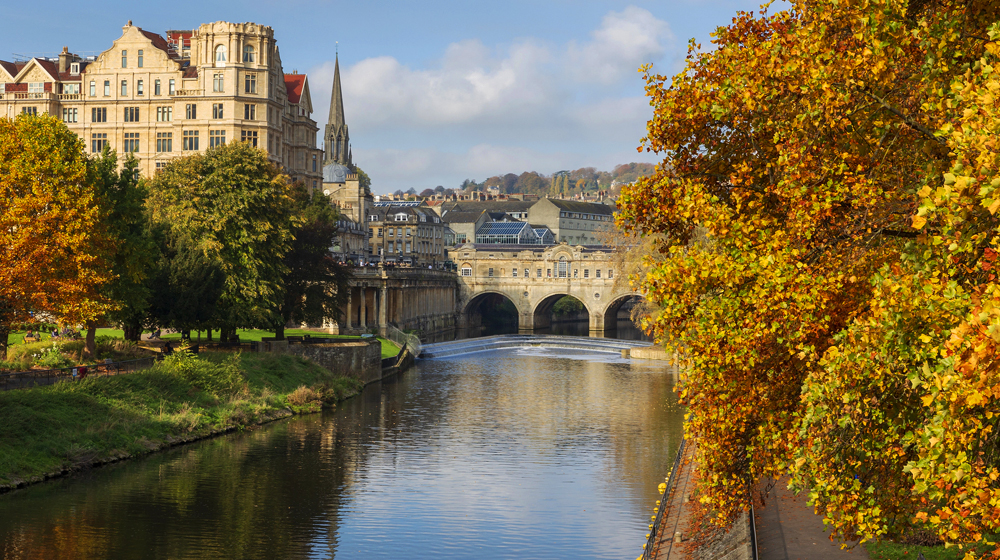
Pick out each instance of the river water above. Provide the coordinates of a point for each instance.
(526, 453)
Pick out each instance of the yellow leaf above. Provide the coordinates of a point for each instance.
(919, 221)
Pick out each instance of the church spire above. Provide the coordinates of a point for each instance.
(336, 139)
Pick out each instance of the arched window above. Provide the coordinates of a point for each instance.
(248, 54)
(562, 268)
(220, 53)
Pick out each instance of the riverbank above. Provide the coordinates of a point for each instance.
(51, 431)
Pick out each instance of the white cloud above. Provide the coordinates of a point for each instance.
(478, 111)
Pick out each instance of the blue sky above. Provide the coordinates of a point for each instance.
(439, 91)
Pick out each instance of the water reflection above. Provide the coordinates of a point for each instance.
(511, 454)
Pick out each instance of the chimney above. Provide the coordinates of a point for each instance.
(64, 58)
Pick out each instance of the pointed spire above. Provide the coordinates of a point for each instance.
(337, 99)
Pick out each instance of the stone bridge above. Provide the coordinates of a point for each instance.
(534, 278)
(409, 298)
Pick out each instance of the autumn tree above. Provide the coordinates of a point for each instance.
(838, 320)
(52, 246)
(234, 205)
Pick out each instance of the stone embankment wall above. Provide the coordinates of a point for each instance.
(361, 360)
(731, 544)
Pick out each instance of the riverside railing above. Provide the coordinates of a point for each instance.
(403, 339)
(42, 377)
(647, 549)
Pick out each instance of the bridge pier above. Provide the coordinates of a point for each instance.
(596, 325)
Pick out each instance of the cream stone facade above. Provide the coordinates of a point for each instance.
(223, 83)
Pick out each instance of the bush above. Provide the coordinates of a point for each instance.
(304, 399)
(222, 379)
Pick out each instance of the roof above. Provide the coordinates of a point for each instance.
(454, 217)
(160, 43)
(399, 203)
(503, 228)
(490, 205)
(10, 68)
(190, 72)
(582, 207)
(293, 85)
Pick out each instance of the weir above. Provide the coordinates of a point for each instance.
(499, 342)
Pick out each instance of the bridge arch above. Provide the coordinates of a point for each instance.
(472, 311)
(614, 306)
(541, 314)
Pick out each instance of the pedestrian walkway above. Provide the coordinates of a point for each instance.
(677, 523)
(788, 529)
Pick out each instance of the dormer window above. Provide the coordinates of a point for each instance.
(400, 217)
(74, 68)
(220, 53)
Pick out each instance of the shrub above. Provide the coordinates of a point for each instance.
(224, 379)
(304, 399)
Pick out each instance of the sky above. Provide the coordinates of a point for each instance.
(438, 91)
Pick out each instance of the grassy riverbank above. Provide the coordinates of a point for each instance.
(51, 430)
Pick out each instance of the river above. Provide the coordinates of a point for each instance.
(522, 454)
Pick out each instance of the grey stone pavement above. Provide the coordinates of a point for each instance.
(788, 529)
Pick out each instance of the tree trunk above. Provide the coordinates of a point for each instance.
(186, 335)
(210, 334)
(279, 332)
(91, 340)
(132, 332)
(4, 333)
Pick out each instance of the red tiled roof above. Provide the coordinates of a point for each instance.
(293, 85)
(160, 43)
(191, 72)
(9, 67)
(51, 67)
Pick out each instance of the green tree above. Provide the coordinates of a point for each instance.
(316, 285)
(53, 250)
(122, 197)
(235, 206)
(185, 283)
(363, 179)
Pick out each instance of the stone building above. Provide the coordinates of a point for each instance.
(406, 233)
(222, 82)
(573, 222)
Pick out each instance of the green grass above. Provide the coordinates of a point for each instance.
(389, 348)
(895, 551)
(71, 424)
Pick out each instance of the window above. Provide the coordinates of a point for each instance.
(249, 136)
(156, 87)
(36, 87)
(466, 271)
(379, 230)
(93, 88)
(216, 138)
(74, 68)
(29, 110)
(98, 141)
(597, 273)
(409, 232)
(514, 272)
(124, 88)
(391, 232)
(216, 110)
(69, 115)
(408, 245)
(160, 165)
(548, 273)
(526, 273)
(124, 59)
(491, 273)
(314, 162)
(131, 114)
(170, 87)
(190, 140)
(107, 88)
(575, 271)
(399, 232)
(99, 114)
(131, 142)
(138, 87)
(71, 88)
(220, 53)
(539, 272)
(586, 273)
(217, 82)
(164, 114)
(250, 112)
(139, 62)
(250, 83)
(611, 273)
(191, 111)
(248, 54)
(164, 142)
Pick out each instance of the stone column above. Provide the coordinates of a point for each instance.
(347, 316)
(383, 310)
(596, 324)
(364, 308)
